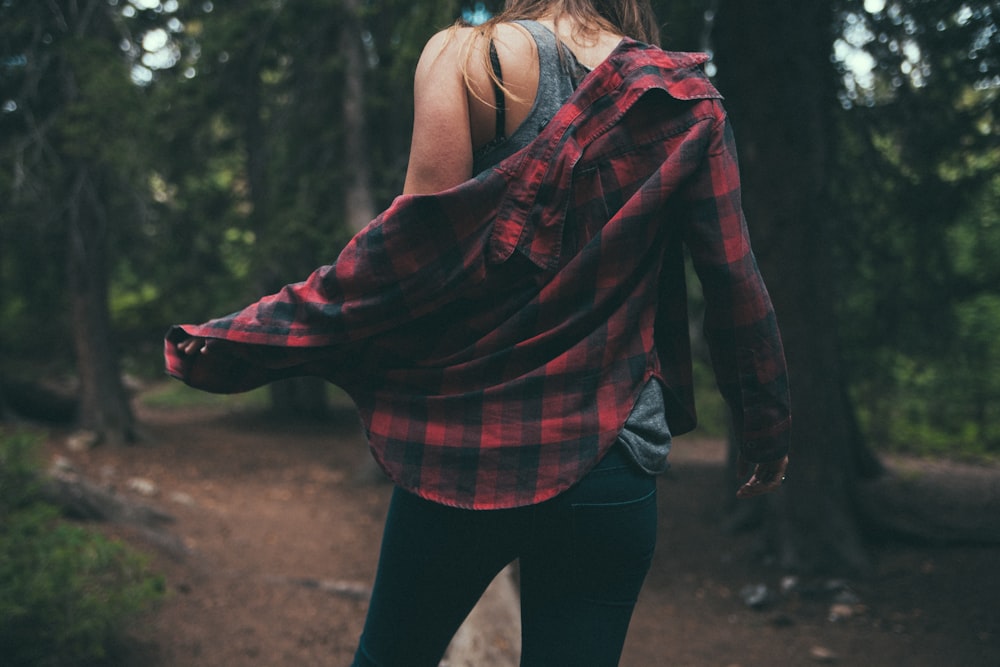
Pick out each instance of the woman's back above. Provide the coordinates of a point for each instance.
(454, 97)
(559, 73)
(519, 61)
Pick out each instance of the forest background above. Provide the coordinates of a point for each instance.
(166, 161)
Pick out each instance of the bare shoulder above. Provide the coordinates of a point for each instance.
(444, 50)
(515, 47)
(513, 38)
(466, 49)
(441, 147)
(467, 40)
(453, 99)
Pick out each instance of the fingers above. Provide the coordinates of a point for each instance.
(193, 345)
(197, 345)
(767, 477)
(757, 487)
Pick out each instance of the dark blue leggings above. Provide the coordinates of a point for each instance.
(583, 558)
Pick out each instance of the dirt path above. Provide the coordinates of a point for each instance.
(281, 526)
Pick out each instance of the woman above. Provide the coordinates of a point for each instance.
(513, 330)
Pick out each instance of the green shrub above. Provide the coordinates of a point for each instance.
(19, 467)
(64, 591)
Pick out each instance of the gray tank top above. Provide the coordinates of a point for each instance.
(558, 76)
(645, 435)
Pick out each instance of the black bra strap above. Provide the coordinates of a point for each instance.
(498, 92)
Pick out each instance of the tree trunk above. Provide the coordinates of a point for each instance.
(307, 397)
(104, 406)
(359, 203)
(774, 68)
(297, 397)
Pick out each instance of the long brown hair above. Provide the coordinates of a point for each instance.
(630, 18)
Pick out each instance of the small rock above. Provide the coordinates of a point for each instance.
(789, 584)
(182, 498)
(822, 654)
(61, 466)
(840, 612)
(143, 487)
(755, 596)
(82, 441)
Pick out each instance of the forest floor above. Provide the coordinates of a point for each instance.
(275, 536)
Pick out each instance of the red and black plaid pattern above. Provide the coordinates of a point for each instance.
(496, 335)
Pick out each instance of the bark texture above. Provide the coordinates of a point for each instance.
(774, 69)
(104, 405)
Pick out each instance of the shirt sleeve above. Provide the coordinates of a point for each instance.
(740, 325)
(417, 257)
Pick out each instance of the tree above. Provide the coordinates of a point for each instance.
(774, 68)
(311, 100)
(71, 136)
(920, 111)
(359, 208)
(821, 245)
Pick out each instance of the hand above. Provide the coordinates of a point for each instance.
(767, 477)
(192, 345)
(195, 345)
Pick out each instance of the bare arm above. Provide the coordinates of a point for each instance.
(452, 115)
(441, 148)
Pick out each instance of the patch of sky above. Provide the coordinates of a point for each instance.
(141, 76)
(477, 14)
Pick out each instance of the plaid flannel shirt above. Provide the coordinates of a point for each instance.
(495, 336)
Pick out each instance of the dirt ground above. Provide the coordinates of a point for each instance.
(276, 532)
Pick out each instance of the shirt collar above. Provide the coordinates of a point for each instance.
(529, 219)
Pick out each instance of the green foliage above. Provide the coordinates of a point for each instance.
(65, 592)
(920, 203)
(173, 395)
(75, 143)
(19, 466)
